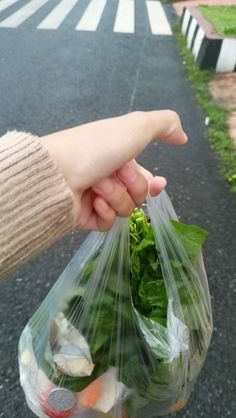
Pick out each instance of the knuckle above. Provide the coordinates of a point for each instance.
(174, 124)
(173, 115)
(175, 120)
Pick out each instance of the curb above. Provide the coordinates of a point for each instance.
(209, 49)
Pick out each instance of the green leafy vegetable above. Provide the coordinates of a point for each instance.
(127, 325)
(192, 237)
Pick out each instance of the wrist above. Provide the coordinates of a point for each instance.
(57, 152)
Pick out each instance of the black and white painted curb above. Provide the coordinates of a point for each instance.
(209, 49)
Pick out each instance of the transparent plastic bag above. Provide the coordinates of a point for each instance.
(125, 330)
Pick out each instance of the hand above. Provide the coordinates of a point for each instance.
(97, 160)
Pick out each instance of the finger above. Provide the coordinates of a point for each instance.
(156, 185)
(139, 181)
(106, 216)
(94, 214)
(147, 174)
(116, 195)
(135, 181)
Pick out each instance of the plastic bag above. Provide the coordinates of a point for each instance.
(125, 330)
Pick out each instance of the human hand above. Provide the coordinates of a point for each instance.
(97, 160)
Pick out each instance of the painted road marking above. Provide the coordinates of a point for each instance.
(92, 15)
(157, 18)
(57, 15)
(4, 4)
(124, 22)
(17, 18)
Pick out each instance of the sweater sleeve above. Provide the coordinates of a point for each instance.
(36, 204)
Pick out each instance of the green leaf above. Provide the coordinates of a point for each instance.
(134, 264)
(191, 236)
(153, 293)
(144, 244)
(154, 261)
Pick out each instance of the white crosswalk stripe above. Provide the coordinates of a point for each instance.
(157, 18)
(92, 15)
(124, 20)
(23, 14)
(4, 4)
(57, 15)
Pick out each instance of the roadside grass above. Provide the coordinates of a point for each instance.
(222, 18)
(217, 131)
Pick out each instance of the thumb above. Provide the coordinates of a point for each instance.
(92, 151)
(119, 140)
(165, 125)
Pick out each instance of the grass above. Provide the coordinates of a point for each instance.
(217, 131)
(222, 18)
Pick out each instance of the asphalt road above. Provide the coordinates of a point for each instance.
(52, 80)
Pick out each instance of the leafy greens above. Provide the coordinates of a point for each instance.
(112, 322)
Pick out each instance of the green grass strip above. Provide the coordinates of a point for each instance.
(222, 18)
(217, 131)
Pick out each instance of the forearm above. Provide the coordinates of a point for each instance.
(36, 206)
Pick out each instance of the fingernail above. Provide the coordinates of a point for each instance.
(105, 186)
(128, 173)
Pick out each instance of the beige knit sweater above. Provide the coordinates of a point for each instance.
(36, 204)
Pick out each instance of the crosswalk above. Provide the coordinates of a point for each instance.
(92, 16)
(57, 15)
(124, 22)
(14, 13)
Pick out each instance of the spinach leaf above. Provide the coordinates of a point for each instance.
(191, 236)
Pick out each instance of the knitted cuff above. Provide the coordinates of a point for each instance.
(36, 203)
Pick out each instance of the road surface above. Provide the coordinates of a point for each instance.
(68, 62)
